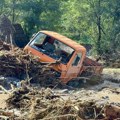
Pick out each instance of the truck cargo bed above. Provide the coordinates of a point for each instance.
(90, 62)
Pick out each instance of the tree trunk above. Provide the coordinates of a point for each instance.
(99, 30)
(13, 12)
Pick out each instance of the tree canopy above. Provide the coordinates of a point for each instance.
(95, 22)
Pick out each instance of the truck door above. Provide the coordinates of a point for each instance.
(75, 66)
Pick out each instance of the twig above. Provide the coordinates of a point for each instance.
(28, 77)
(95, 112)
(100, 111)
(6, 91)
(62, 117)
(11, 41)
(86, 78)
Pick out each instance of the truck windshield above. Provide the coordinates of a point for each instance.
(52, 47)
(39, 39)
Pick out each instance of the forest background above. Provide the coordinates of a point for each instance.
(95, 22)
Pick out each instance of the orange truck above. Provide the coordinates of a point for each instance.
(69, 57)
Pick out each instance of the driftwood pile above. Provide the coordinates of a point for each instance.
(12, 33)
(16, 63)
(6, 29)
(45, 104)
(112, 59)
(39, 103)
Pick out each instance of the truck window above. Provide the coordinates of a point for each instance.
(77, 59)
(52, 47)
(64, 51)
(38, 39)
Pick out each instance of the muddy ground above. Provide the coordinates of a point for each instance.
(87, 102)
(22, 100)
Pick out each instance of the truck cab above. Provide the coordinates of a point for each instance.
(51, 47)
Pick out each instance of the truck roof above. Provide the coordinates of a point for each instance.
(65, 40)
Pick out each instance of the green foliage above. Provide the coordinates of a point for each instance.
(94, 22)
(76, 22)
(2, 3)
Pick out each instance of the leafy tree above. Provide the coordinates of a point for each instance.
(95, 22)
(75, 21)
(2, 4)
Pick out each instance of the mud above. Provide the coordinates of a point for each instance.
(21, 99)
(92, 102)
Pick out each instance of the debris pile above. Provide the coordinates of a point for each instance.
(6, 29)
(47, 104)
(12, 33)
(112, 59)
(33, 102)
(17, 63)
(4, 46)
